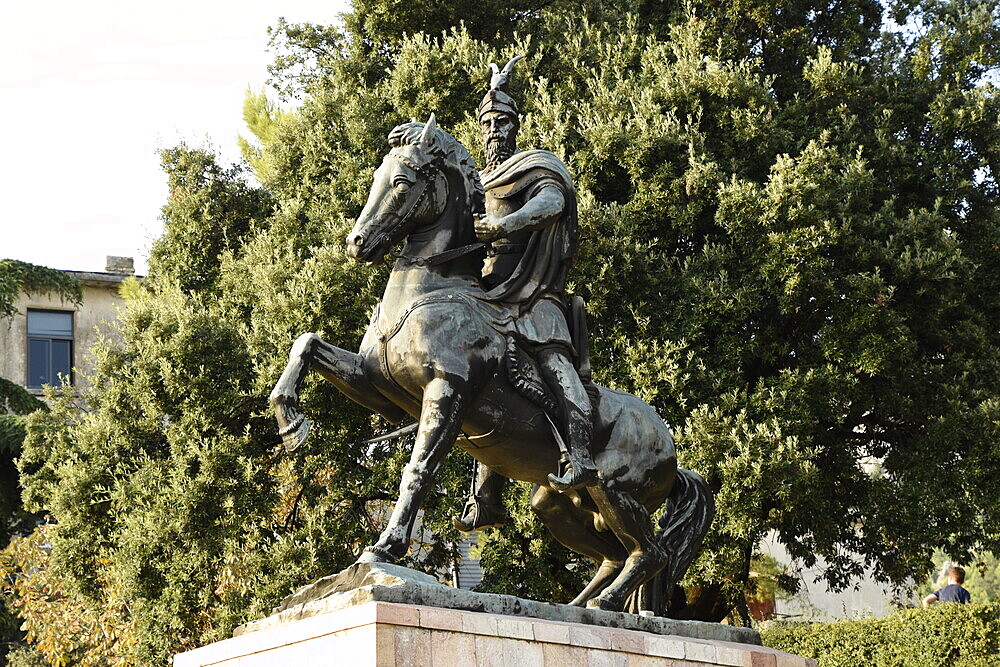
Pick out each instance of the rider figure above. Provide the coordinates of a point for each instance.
(531, 221)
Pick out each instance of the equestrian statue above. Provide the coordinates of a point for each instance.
(476, 338)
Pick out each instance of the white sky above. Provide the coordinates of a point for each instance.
(89, 91)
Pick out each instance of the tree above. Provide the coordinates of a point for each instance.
(15, 402)
(788, 248)
(18, 277)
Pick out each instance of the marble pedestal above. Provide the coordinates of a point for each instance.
(388, 616)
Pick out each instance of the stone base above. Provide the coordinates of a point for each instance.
(386, 634)
(376, 614)
(362, 583)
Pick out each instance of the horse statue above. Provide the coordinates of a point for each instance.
(437, 351)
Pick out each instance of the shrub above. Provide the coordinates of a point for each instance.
(945, 634)
(25, 656)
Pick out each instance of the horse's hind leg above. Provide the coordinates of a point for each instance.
(342, 368)
(631, 523)
(574, 529)
(441, 412)
(606, 573)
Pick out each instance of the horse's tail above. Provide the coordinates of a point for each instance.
(690, 509)
(682, 530)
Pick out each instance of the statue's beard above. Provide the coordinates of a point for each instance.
(498, 149)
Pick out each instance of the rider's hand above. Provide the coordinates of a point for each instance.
(489, 227)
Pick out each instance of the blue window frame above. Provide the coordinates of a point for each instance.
(50, 347)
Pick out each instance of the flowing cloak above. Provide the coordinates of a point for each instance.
(543, 267)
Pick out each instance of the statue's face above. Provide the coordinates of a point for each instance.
(499, 136)
(497, 125)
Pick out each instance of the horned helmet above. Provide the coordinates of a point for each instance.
(498, 97)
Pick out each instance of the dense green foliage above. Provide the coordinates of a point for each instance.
(18, 277)
(789, 229)
(956, 635)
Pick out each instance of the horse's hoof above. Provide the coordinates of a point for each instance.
(367, 557)
(374, 554)
(604, 604)
(297, 435)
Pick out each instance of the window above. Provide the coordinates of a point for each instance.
(50, 347)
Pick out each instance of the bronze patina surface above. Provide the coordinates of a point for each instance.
(473, 339)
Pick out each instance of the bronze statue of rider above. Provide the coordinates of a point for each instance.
(531, 222)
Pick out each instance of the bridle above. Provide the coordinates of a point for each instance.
(425, 176)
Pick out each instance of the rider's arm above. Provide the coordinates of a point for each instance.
(930, 599)
(539, 211)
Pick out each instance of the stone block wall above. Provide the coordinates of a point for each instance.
(395, 635)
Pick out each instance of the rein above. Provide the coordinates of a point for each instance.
(441, 257)
(426, 172)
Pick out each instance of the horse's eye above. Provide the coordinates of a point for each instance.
(402, 187)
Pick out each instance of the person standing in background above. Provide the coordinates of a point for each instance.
(953, 592)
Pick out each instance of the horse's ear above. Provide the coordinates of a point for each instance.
(427, 137)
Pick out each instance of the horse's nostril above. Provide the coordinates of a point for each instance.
(356, 240)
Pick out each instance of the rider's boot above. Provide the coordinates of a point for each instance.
(581, 470)
(484, 508)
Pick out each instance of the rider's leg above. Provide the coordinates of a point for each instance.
(484, 508)
(562, 378)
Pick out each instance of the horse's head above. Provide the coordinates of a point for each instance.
(409, 189)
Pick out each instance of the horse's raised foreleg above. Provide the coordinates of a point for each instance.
(342, 368)
(441, 414)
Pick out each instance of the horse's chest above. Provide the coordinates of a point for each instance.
(429, 336)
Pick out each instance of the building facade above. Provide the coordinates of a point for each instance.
(49, 339)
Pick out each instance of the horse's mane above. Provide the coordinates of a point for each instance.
(455, 154)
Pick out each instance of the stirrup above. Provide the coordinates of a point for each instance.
(575, 478)
(478, 516)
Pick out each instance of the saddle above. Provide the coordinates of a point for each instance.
(523, 372)
(524, 376)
